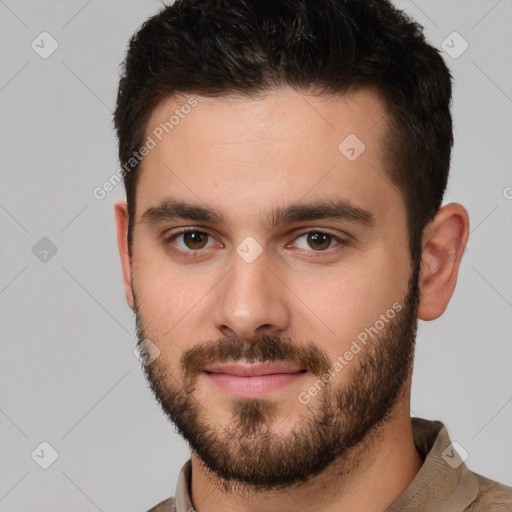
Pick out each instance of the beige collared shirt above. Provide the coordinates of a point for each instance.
(443, 483)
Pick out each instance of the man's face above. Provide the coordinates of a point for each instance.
(260, 279)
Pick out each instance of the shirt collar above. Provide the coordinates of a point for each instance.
(443, 482)
(182, 495)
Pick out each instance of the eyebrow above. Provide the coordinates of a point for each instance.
(341, 209)
(171, 209)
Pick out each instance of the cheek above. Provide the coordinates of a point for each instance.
(339, 306)
(173, 303)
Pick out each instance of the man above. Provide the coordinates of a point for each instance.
(285, 163)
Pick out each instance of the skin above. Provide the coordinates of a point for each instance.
(246, 157)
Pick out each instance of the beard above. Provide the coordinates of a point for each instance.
(249, 454)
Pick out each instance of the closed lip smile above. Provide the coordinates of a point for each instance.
(254, 370)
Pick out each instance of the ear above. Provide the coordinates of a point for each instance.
(121, 213)
(444, 241)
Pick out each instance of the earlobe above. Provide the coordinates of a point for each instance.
(444, 241)
(121, 215)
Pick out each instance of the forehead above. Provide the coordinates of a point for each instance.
(236, 118)
(277, 148)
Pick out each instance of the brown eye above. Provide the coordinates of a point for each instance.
(195, 239)
(319, 241)
(190, 243)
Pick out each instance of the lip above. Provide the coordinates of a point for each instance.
(255, 380)
(254, 369)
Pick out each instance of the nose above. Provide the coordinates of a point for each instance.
(251, 301)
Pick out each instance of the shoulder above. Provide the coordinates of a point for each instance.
(492, 496)
(167, 505)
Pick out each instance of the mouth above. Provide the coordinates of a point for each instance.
(254, 369)
(253, 380)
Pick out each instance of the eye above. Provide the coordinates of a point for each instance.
(191, 240)
(318, 241)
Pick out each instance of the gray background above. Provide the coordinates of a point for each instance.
(68, 373)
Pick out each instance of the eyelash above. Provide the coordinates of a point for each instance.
(198, 252)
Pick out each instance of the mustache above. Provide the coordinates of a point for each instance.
(262, 349)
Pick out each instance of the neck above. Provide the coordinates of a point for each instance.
(370, 478)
